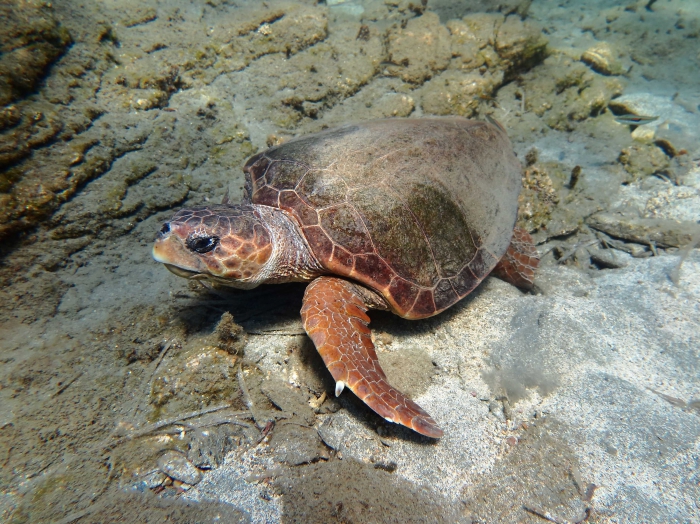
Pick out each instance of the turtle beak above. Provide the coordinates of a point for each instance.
(183, 272)
(169, 251)
(163, 250)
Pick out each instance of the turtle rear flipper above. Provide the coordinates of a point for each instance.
(520, 261)
(335, 317)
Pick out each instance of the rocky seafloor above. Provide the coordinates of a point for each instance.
(128, 394)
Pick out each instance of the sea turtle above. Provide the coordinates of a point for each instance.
(406, 215)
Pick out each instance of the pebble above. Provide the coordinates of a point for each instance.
(176, 466)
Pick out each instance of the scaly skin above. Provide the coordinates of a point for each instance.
(520, 261)
(335, 317)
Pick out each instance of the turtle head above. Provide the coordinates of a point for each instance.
(226, 244)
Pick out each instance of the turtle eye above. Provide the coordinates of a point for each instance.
(202, 244)
(165, 229)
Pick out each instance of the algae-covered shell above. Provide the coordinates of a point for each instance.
(420, 210)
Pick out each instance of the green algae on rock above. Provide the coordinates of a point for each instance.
(420, 49)
(641, 160)
(458, 93)
(539, 196)
(200, 374)
(520, 45)
(662, 232)
(601, 58)
(46, 165)
(30, 41)
(565, 92)
(487, 49)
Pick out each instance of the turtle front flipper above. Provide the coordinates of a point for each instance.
(335, 317)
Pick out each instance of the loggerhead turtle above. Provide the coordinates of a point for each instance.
(405, 215)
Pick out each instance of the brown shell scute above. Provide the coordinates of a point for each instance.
(465, 281)
(445, 294)
(346, 229)
(445, 226)
(286, 175)
(321, 189)
(292, 202)
(420, 210)
(396, 235)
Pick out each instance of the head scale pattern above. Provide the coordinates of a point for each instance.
(223, 241)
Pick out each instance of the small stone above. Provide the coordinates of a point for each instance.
(661, 232)
(154, 479)
(177, 467)
(602, 59)
(624, 106)
(635, 250)
(607, 259)
(641, 160)
(674, 137)
(643, 134)
(385, 338)
(275, 140)
(396, 105)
